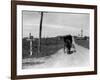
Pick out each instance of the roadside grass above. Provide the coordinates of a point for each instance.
(49, 46)
(83, 43)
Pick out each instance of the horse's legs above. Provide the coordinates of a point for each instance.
(68, 50)
(64, 48)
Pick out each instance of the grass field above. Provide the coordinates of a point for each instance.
(49, 46)
(82, 42)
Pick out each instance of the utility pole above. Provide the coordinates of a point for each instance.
(81, 32)
(40, 32)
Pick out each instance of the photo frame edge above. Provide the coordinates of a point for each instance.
(14, 40)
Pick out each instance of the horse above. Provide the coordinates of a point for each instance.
(67, 43)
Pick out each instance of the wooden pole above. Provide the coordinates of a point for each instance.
(81, 33)
(30, 44)
(30, 47)
(40, 32)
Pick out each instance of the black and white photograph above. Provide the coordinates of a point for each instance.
(55, 39)
(52, 40)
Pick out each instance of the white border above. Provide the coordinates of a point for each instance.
(54, 70)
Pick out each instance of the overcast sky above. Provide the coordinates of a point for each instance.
(55, 24)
